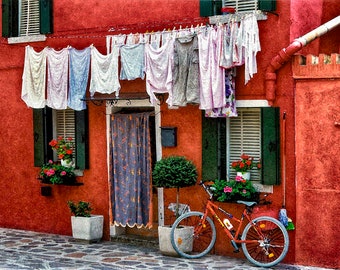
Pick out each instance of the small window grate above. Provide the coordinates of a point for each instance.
(29, 18)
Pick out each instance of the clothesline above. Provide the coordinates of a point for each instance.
(162, 58)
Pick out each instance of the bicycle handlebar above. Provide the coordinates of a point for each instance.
(207, 189)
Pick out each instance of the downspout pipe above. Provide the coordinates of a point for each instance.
(286, 54)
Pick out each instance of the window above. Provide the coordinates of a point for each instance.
(250, 5)
(213, 7)
(244, 136)
(29, 17)
(254, 132)
(50, 123)
(26, 18)
(64, 125)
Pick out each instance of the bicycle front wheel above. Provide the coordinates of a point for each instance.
(268, 241)
(198, 241)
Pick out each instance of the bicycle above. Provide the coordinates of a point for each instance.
(264, 240)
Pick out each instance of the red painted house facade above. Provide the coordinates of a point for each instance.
(303, 88)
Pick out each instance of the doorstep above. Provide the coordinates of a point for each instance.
(138, 240)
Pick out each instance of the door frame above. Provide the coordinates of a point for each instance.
(114, 107)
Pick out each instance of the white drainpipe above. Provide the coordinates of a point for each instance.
(285, 55)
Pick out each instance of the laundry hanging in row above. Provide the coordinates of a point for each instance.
(223, 47)
(68, 73)
(189, 64)
(67, 76)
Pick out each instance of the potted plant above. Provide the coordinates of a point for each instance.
(241, 188)
(54, 173)
(173, 172)
(85, 226)
(244, 165)
(64, 149)
(233, 190)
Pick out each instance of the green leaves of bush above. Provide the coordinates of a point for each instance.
(174, 171)
(82, 209)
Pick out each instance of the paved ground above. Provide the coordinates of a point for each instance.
(31, 250)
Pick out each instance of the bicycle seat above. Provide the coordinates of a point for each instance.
(247, 203)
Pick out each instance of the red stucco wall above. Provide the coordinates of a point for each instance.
(317, 147)
(80, 23)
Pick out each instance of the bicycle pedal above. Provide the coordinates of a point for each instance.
(235, 246)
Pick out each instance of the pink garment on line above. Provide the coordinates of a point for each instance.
(57, 78)
(158, 69)
(211, 74)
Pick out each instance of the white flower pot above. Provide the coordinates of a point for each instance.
(67, 163)
(165, 245)
(88, 228)
(244, 175)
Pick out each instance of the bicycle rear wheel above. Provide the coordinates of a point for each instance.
(272, 241)
(201, 239)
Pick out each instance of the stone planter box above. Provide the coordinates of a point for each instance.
(88, 228)
(165, 245)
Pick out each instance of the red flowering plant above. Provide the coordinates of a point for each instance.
(245, 164)
(54, 173)
(233, 190)
(63, 147)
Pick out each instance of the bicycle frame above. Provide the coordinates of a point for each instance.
(212, 208)
(264, 240)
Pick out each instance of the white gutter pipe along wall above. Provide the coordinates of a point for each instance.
(285, 55)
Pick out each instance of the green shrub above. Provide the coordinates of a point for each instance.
(174, 171)
(82, 209)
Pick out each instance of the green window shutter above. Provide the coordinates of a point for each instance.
(10, 18)
(42, 128)
(213, 148)
(46, 16)
(267, 5)
(81, 119)
(270, 118)
(210, 7)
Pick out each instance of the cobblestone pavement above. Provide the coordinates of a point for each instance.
(32, 250)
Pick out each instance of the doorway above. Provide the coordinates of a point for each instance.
(133, 201)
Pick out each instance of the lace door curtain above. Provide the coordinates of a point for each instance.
(130, 178)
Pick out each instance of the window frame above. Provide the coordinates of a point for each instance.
(254, 150)
(213, 7)
(11, 21)
(43, 125)
(65, 126)
(214, 160)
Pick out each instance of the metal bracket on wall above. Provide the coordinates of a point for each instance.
(112, 100)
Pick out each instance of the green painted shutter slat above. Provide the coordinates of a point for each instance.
(81, 119)
(10, 18)
(267, 5)
(270, 118)
(213, 148)
(46, 16)
(210, 7)
(42, 134)
(38, 136)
